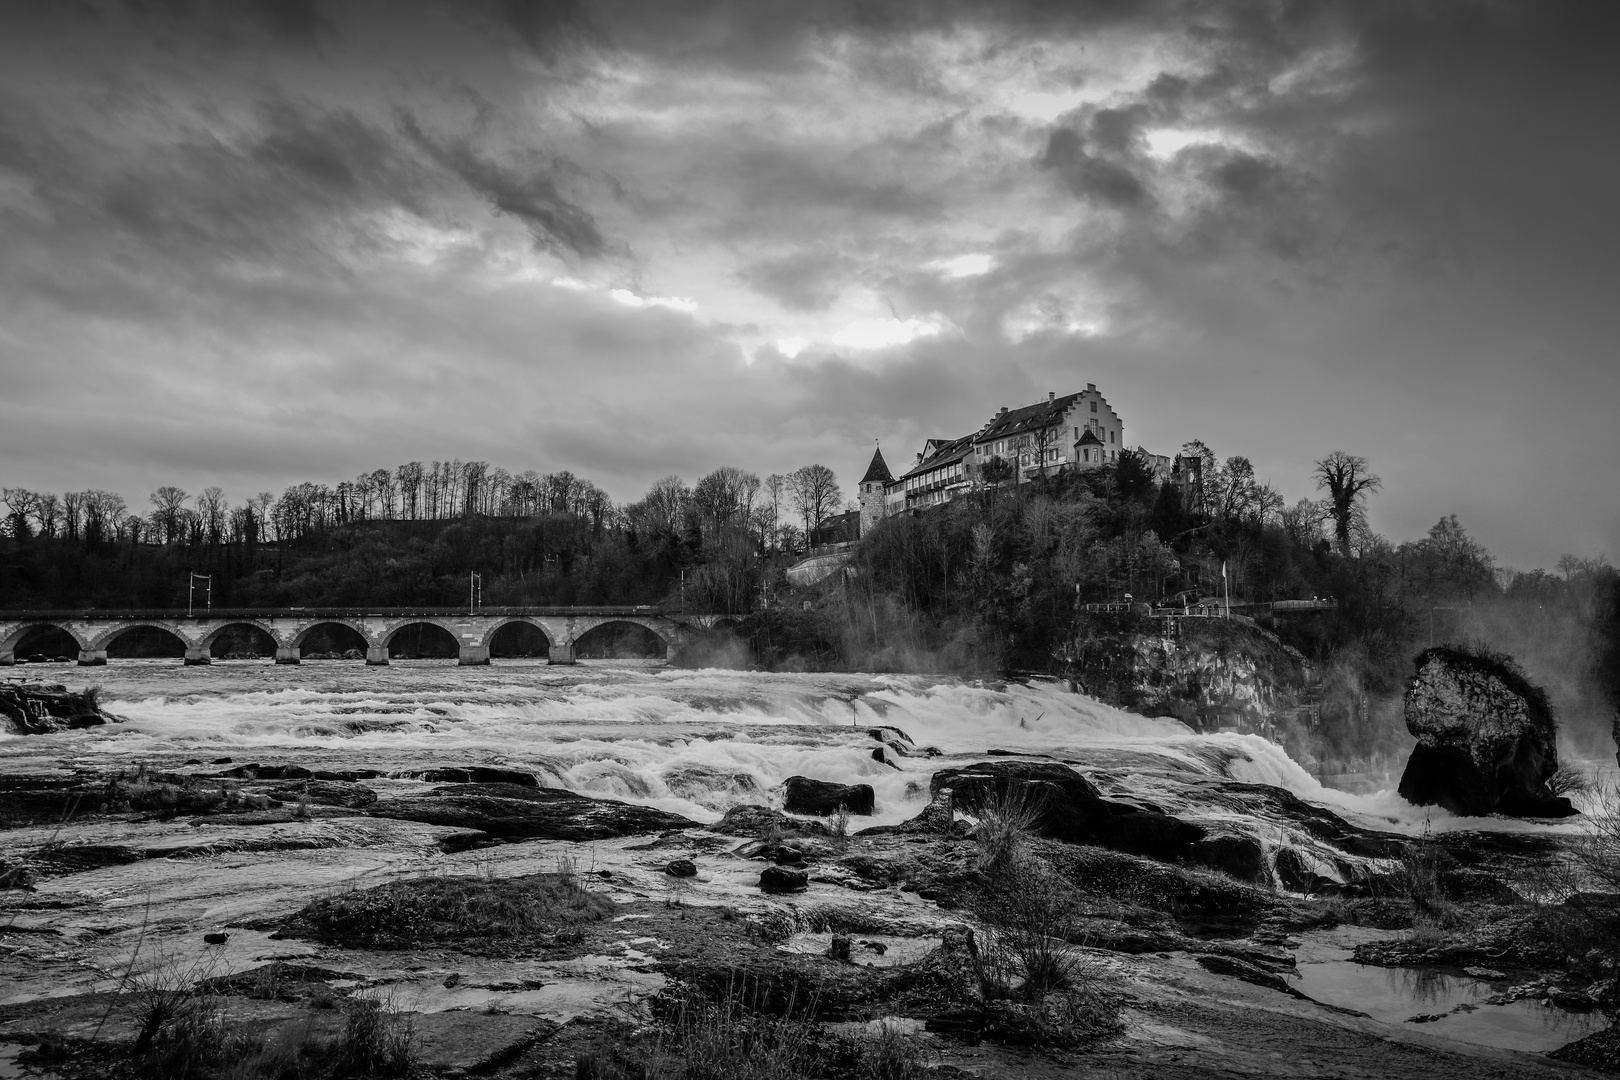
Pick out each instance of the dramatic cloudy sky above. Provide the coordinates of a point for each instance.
(255, 243)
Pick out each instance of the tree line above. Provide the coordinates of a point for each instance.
(411, 535)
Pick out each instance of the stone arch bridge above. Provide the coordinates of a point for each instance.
(288, 627)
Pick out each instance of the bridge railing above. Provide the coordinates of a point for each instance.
(325, 612)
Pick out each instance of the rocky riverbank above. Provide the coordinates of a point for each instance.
(457, 918)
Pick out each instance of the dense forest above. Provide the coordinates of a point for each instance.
(997, 580)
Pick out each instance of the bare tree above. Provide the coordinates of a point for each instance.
(169, 502)
(1347, 481)
(73, 513)
(20, 501)
(47, 511)
(725, 496)
(815, 495)
(776, 492)
(211, 506)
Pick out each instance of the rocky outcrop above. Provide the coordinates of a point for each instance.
(1211, 674)
(1487, 741)
(1063, 805)
(511, 812)
(824, 798)
(46, 708)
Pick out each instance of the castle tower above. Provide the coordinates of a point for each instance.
(877, 475)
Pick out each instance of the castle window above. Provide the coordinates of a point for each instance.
(1093, 406)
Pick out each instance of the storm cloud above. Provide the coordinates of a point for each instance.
(295, 239)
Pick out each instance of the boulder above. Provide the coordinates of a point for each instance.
(512, 812)
(893, 738)
(681, 868)
(782, 879)
(1066, 806)
(1487, 742)
(749, 819)
(823, 798)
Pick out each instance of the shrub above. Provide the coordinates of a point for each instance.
(1037, 988)
(1569, 781)
(840, 822)
(378, 1038)
(1008, 818)
(1419, 877)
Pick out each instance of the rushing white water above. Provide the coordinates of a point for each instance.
(693, 742)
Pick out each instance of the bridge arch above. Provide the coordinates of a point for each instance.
(207, 641)
(517, 620)
(387, 638)
(20, 633)
(301, 635)
(597, 627)
(104, 641)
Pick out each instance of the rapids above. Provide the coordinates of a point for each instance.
(691, 742)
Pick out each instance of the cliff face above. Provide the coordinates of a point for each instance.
(1208, 673)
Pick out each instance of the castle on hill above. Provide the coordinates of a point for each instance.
(1076, 431)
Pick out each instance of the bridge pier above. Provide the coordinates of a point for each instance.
(198, 657)
(92, 657)
(474, 655)
(287, 654)
(376, 656)
(562, 653)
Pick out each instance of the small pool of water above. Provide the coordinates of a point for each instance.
(1402, 995)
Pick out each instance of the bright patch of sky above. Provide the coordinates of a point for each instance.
(963, 266)
(887, 333)
(672, 303)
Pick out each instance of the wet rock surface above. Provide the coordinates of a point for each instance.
(1487, 742)
(510, 812)
(882, 926)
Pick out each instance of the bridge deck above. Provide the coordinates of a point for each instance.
(103, 614)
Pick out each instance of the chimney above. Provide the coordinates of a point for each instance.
(1091, 386)
(1050, 397)
(919, 459)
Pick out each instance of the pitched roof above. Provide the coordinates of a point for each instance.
(1042, 414)
(948, 453)
(1087, 437)
(878, 470)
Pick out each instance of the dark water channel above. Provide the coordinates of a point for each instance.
(1453, 1006)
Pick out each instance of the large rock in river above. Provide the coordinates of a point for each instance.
(1487, 743)
(1066, 806)
(824, 798)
